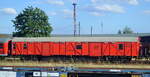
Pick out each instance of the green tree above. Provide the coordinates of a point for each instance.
(127, 30)
(119, 32)
(32, 22)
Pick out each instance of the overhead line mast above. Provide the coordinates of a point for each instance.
(74, 18)
(91, 30)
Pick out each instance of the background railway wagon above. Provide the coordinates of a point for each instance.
(76, 46)
(4, 46)
(145, 46)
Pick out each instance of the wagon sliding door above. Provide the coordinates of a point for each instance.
(45, 49)
(122, 49)
(128, 49)
(95, 49)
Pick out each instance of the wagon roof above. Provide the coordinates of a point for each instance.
(75, 39)
(5, 35)
(3, 40)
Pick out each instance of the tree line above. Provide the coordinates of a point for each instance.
(125, 30)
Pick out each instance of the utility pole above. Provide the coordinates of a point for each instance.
(91, 30)
(102, 26)
(74, 17)
(79, 28)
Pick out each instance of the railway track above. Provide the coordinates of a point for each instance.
(83, 61)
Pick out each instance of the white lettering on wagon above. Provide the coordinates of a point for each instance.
(53, 74)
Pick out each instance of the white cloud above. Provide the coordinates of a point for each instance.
(67, 13)
(52, 13)
(133, 2)
(96, 14)
(105, 8)
(74, 1)
(11, 11)
(146, 11)
(110, 8)
(94, 1)
(55, 2)
(101, 10)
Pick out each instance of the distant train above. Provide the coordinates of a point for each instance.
(109, 47)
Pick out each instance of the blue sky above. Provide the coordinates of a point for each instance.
(115, 15)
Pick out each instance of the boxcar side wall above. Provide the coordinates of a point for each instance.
(76, 48)
(4, 51)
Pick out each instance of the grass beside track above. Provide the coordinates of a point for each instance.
(79, 64)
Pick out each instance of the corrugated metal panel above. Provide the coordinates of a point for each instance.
(20, 74)
(76, 39)
(44, 74)
(3, 40)
(7, 74)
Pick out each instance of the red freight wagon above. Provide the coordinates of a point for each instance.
(4, 44)
(77, 46)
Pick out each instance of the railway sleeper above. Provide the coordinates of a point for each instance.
(117, 58)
